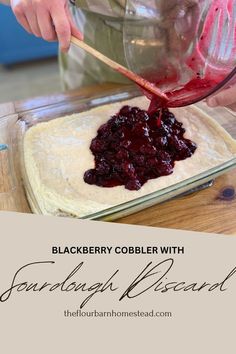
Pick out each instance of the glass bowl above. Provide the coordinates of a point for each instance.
(187, 48)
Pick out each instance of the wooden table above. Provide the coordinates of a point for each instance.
(210, 210)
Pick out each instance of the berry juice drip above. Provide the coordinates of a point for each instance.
(190, 93)
(135, 146)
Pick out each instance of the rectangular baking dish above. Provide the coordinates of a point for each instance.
(29, 118)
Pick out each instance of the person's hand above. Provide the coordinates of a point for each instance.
(49, 19)
(226, 98)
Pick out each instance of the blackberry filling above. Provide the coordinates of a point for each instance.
(135, 146)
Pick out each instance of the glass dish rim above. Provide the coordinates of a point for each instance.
(116, 95)
(209, 174)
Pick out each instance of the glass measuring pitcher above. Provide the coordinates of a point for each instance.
(186, 47)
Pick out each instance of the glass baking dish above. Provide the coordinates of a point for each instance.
(29, 118)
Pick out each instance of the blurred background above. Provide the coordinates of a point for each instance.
(28, 65)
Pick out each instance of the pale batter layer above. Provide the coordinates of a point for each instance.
(56, 155)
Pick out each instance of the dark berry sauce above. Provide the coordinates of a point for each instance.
(135, 146)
